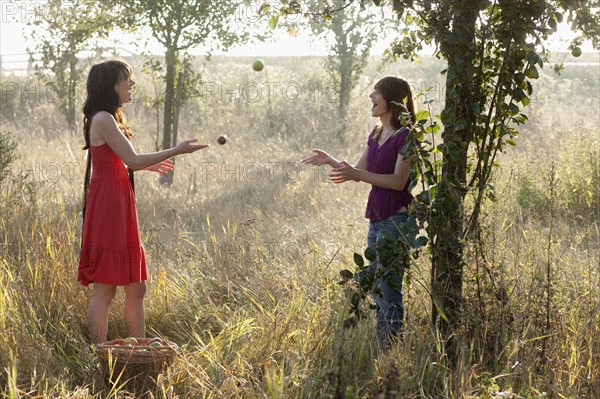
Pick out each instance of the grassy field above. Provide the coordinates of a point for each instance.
(245, 249)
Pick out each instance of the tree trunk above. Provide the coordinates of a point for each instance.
(345, 90)
(346, 57)
(177, 107)
(448, 210)
(171, 61)
(71, 95)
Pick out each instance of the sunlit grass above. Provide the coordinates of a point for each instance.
(244, 252)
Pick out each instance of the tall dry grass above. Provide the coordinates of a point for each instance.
(244, 252)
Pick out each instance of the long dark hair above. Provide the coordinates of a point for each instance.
(101, 96)
(398, 96)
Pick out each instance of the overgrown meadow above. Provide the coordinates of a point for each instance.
(245, 248)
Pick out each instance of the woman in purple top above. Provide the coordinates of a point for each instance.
(382, 166)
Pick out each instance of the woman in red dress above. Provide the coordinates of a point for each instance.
(111, 252)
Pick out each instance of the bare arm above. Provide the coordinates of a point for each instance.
(104, 129)
(362, 161)
(395, 181)
(320, 157)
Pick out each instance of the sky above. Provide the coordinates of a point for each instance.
(14, 40)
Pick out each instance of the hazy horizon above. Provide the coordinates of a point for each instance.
(14, 42)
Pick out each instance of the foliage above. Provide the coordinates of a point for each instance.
(493, 50)
(503, 62)
(63, 31)
(350, 32)
(8, 154)
(179, 26)
(388, 259)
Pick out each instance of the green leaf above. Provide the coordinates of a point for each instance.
(447, 114)
(433, 128)
(360, 262)
(370, 254)
(519, 77)
(529, 87)
(557, 16)
(421, 241)
(413, 184)
(346, 274)
(424, 197)
(273, 21)
(532, 57)
(264, 8)
(453, 152)
(510, 142)
(422, 115)
(519, 94)
(532, 72)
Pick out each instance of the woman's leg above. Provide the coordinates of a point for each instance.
(382, 316)
(390, 306)
(390, 311)
(134, 309)
(102, 296)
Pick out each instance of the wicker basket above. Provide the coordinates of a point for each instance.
(133, 364)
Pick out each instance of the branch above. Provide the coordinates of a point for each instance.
(318, 14)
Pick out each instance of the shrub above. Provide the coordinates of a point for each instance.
(8, 154)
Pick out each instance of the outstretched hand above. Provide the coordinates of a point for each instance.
(163, 167)
(189, 146)
(318, 158)
(343, 173)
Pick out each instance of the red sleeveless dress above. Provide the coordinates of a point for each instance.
(111, 250)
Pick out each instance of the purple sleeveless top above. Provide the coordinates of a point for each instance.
(384, 202)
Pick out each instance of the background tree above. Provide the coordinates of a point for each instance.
(349, 33)
(63, 32)
(349, 29)
(179, 26)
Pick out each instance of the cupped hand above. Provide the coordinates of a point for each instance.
(189, 146)
(163, 167)
(343, 173)
(318, 158)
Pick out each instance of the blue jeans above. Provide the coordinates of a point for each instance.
(390, 309)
